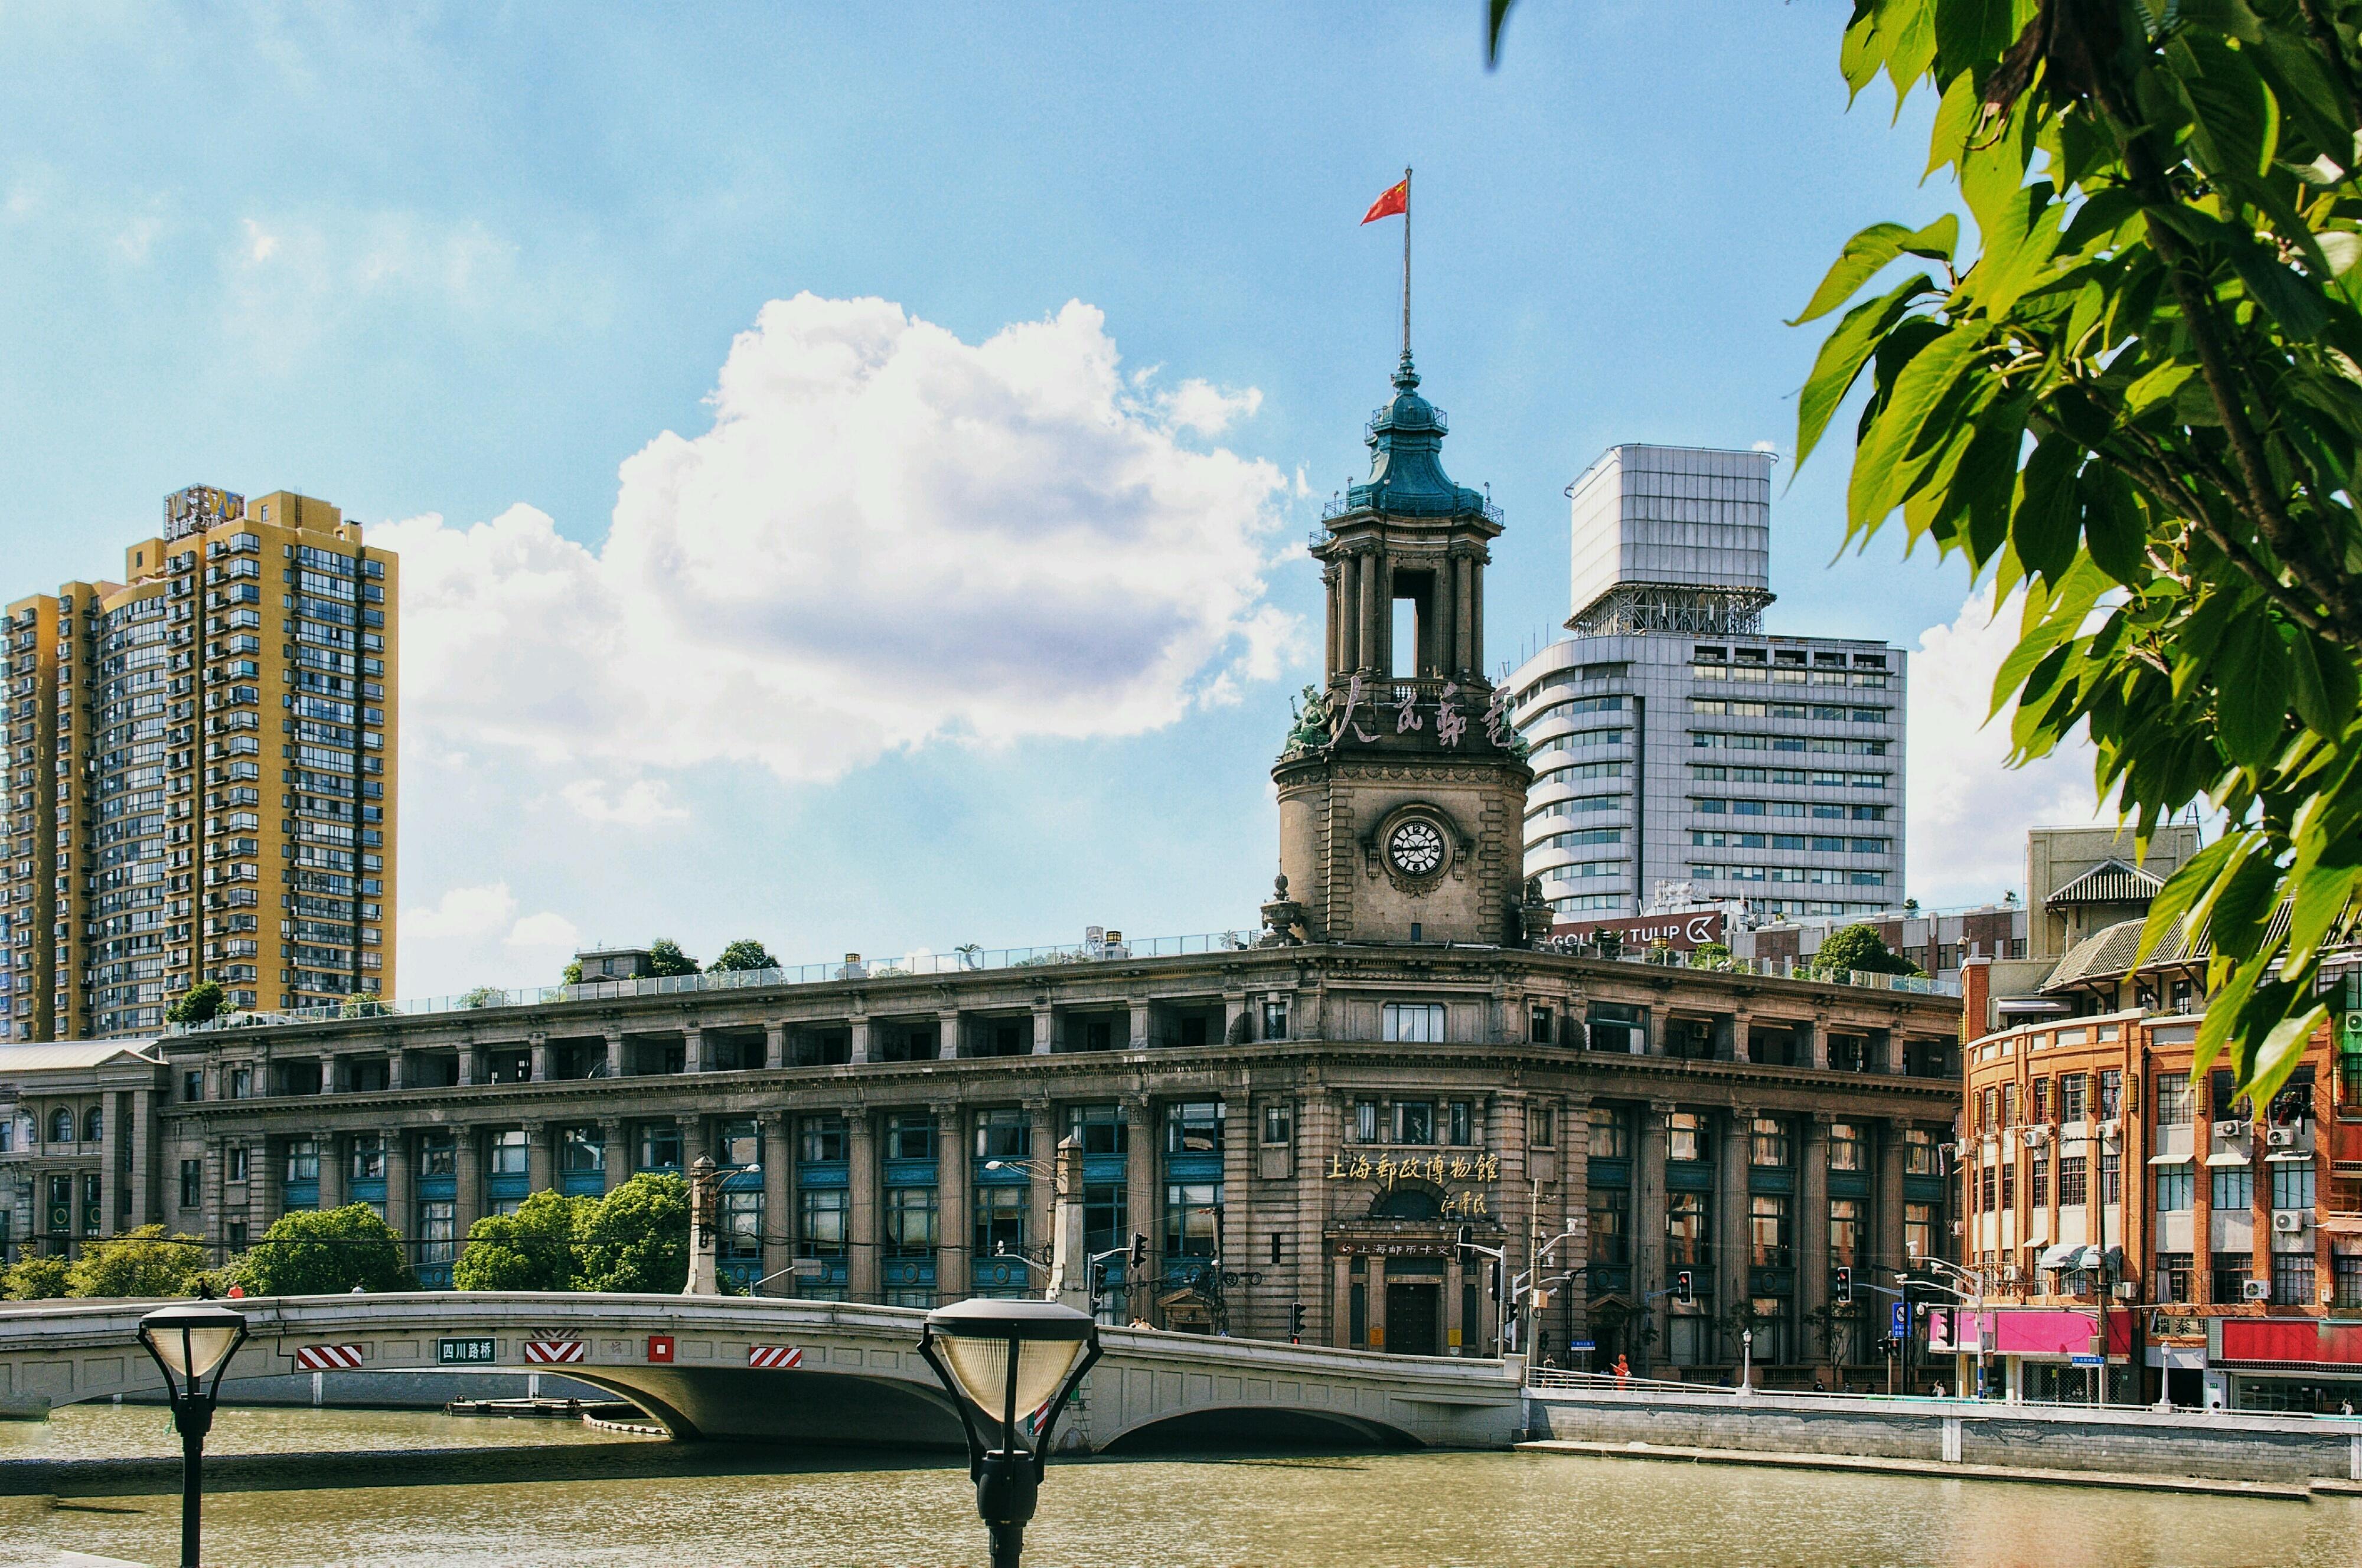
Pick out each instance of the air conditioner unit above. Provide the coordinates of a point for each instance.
(2254, 1290)
(2009, 1276)
(1958, 1227)
(2280, 1137)
(1962, 1150)
(2288, 1220)
(2233, 1129)
(2037, 1136)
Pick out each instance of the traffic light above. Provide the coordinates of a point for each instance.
(1683, 1292)
(1296, 1322)
(1139, 1254)
(1465, 1247)
(1845, 1284)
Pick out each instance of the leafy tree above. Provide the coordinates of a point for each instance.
(573, 972)
(1860, 947)
(2141, 400)
(484, 996)
(364, 1004)
(638, 1237)
(34, 1279)
(665, 957)
(533, 1249)
(324, 1252)
(144, 1262)
(200, 1003)
(1709, 955)
(745, 954)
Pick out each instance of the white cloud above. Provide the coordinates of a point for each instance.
(464, 912)
(889, 536)
(547, 930)
(1968, 811)
(261, 244)
(639, 803)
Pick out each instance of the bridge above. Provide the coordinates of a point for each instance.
(736, 1368)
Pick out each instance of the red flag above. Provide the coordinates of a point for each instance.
(1396, 200)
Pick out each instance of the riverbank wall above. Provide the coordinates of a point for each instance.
(1965, 1432)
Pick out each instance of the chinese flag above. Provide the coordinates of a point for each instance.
(1396, 200)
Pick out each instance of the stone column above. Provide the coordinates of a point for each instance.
(401, 1190)
(1041, 1152)
(692, 1140)
(471, 1063)
(693, 1051)
(614, 1153)
(777, 1131)
(614, 1053)
(332, 1171)
(1463, 613)
(327, 1074)
(266, 1184)
(948, 1034)
(1235, 1008)
(1249, 1315)
(214, 1220)
(775, 1050)
(1888, 1224)
(863, 1232)
(1140, 1024)
(540, 1165)
(1813, 1218)
(1142, 1210)
(860, 1027)
(1046, 1035)
(1574, 1180)
(1349, 614)
(1652, 1030)
(397, 1067)
(1733, 1230)
(1742, 1031)
(955, 1210)
(1816, 1042)
(1476, 609)
(110, 1173)
(1649, 1224)
(467, 1189)
(538, 1044)
(1371, 568)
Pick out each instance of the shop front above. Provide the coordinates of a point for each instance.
(2044, 1354)
(2302, 1365)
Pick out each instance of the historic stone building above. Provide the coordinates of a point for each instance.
(1297, 1121)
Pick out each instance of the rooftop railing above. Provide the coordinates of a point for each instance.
(960, 961)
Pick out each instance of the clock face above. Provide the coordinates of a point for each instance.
(1415, 848)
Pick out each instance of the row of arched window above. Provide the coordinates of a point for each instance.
(61, 1125)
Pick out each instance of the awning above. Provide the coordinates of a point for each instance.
(2227, 1157)
(2036, 1242)
(2061, 1257)
(2168, 1159)
(2342, 1224)
(2288, 1158)
(2016, 1006)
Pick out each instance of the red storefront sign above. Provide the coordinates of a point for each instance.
(2026, 1332)
(2298, 1341)
(1683, 933)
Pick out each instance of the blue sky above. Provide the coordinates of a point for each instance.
(448, 265)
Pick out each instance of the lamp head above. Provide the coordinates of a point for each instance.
(191, 1343)
(1004, 1360)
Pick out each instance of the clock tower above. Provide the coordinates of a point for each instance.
(1402, 792)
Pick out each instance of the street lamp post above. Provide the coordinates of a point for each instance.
(1013, 1365)
(1747, 1361)
(193, 1346)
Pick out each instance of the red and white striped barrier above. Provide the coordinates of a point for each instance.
(776, 1358)
(328, 1358)
(553, 1353)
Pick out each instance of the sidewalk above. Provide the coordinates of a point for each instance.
(2285, 1492)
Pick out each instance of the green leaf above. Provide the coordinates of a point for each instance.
(2292, 302)
(2114, 530)
(1868, 252)
(1842, 356)
(2047, 519)
(2282, 1049)
(2250, 678)
(1882, 472)
(2169, 912)
(1956, 121)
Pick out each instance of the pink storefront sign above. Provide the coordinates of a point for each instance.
(2024, 1331)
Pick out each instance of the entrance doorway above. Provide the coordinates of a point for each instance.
(1414, 1318)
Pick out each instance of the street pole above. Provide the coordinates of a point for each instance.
(192, 1459)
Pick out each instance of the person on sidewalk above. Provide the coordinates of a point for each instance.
(1623, 1370)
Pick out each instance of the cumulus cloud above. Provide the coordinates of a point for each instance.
(889, 536)
(463, 913)
(547, 930)
(639, 803)
(1968, 811)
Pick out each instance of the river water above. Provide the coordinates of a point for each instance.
(421, 1488)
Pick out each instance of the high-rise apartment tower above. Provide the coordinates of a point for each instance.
(198, 779)
(1681, 754)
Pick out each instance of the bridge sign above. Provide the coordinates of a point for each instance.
(660, 1347)
(328, 1358)
(776, 1358)
(471, 1351)
(554, 1352)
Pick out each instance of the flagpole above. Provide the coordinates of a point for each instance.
(1405, 263)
